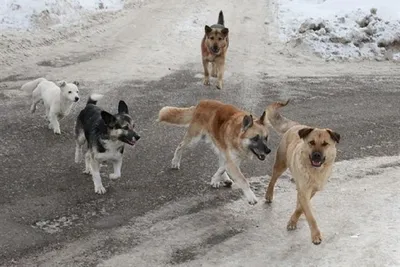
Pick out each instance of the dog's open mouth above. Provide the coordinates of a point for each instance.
(317, 163)
(259, 155)
(130, 142)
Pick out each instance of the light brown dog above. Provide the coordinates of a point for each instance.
(309, 153)
(234, 134)
(213, 50)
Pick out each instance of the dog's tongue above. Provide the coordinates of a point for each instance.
(131, 142)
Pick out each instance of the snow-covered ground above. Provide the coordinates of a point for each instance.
(343, 29)
(22, 14)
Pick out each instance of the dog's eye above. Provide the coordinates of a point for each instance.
(125, 127)
(255, 138)
(312, 143)
(325, 144)
(69, 92)
(220, 38)
(212, 37)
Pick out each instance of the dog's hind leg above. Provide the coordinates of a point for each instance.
(279, 167)
(80, 141)
(191, 137)
(35, 100)
(117, 169)
(88, 158)
(98, 186)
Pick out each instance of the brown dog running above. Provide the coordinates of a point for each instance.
(234, 134)
(309, 153)
(213, 50)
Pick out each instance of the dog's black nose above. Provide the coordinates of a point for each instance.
(76, 99)
(267, 150)
(317, 156)
(137, 137)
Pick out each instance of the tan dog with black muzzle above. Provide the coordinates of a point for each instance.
(213, 50)
(309, 153)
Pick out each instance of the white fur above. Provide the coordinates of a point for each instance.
(58, 100)
(93, 160)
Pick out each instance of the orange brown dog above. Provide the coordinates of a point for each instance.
(234, 134)
(309, 153)
(213, 50)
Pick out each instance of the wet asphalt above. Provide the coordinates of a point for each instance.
(46, 200)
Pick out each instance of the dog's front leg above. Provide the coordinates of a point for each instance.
(54, 122)
(98, 186)
(206, 73)
(221, 175)
(237, 176)
(220, 64)
(117, 164)
(214, 72)
(304, 199)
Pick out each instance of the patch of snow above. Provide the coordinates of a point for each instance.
(341, 29)
(22, 14)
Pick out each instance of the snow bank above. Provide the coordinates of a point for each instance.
(21, 14)
(343, 29)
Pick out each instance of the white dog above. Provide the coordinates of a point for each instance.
(58, 100)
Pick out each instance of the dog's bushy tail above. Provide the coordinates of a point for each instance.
(177, 116)
(30, 86)
(221, 18)
(277, 121)
(93, 98)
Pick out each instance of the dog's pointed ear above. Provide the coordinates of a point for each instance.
(207, 29)
(262, 118)
(303, 133)
(335, 136)
(63, 83)
(247, 122)
(76, 83)
(225, 31)
(108, 118)
(122, 107)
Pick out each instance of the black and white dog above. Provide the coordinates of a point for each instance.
(105, 135)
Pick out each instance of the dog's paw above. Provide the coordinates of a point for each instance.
(316, 238)
(219, 85)
(251, 198)
(226, 180)
(57, 131)
(99, 189)
(114, 176)
(214, 74)
(50, 126)
(269, 197)
(215, 183)
(206, 81)
(291, 225)
(33, 109)
(86, 171)
(175, 164)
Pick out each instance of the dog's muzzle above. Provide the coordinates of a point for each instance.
(76, 99)
(317, 159)
(131, 138)
(261, 155)
(214, 49)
